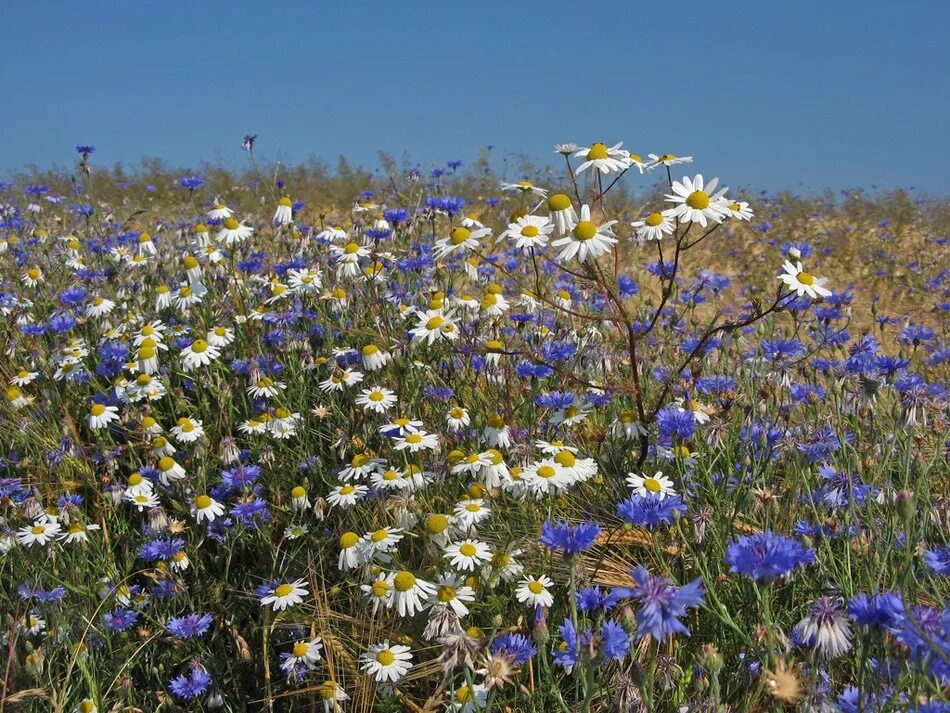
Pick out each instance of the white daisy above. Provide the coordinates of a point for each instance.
(385, 662)
(409, 593)
(466, 555)
(285, 594)
(655, 226)
(695, 201)
(603, 159)
(459, 240)
(657, 485)
(803, 283)
(376, 399)
(586, 239)
(204, 507)
(39, 533)
(534, 591)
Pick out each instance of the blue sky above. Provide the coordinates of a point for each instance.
(804, 95)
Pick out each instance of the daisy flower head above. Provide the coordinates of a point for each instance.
(469, 513)
(187, 430)
(737, 209)
(466, 555)
(284, 215)
(305, 654)
(386, 662)
(377, 399)
(696, 202)
(204, 507)
(101, 415)
(803, 283)
(41, 532)
(535, 591)
(460, 239)
(281, 595)
(346, 495)
(198, 353)
(562, 212)
(603, 158)
(655, 226)
(374, 358)
(529, 231)
(433, 326)
(417, 441)
(349, 551)
(451, 592)
(523, 187)
(667, 159)
(409, 592)
(658, 484)
(219, 211)
(586, 239)
(233, 233)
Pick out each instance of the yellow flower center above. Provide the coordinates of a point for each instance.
(87, 707)
(496, 422)
(436, 524)
(404, 581)
(699, 200)
(328, 690)
(446, 594)
(370, 349)
(530, 231)
(468, 549)
(459, 235)
(473, 507)
(385, 657)
(654, 219)
(347, 490)
(300, 649)
(435, 323)
(380, 588)
(190, 262)
(376, 396)
(199, 346)
(535, 587)
(34, 273)
(185, 292)
(546, 471)
(135, 479)
(463, 694)
(652, 484)
(282, 412)
(565, 458)
(682, 451)
(231, 224)
(97, 409)
(379, 535)
(283, 590)
(348, 540)
(597, 152)
(414, 438)
(351, 248)
(143, 379)
(202, 502)
(359, 460)
(805, 278)
(585, 230)
(166, 463)
(285, 201)
(666, 157)
(559, 201)
(37, 529)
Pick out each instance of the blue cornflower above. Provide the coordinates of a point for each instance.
(662, 603)
(440, 393)
(517, 647)
(938, 560)
(614, 640)
(879, 611)
(555, 400)
(192, 183)
(565, 655)
(558, 351)
(570, 540)
(926, 634)
(85, 149)
(675, 422)
(190, 685)
(527, 370)
(121, 619)
(248, 142)
(190, 625)
(766, 555)
(649, 510)
(26, 592)
(914, 334)
(592, 599)
(395, 216)
(73, 296)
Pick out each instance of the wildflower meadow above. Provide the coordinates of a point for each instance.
(606, 436)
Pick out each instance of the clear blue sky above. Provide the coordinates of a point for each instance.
(768, 93)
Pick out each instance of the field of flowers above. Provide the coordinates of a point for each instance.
(610, 438)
